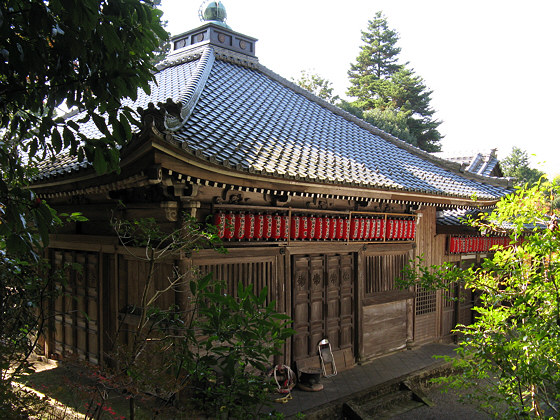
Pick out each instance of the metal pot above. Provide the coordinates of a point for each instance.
(309, 376)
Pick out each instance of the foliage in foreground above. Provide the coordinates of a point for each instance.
(25, 286)
(512, 350)
(85, 56)
(210, 355)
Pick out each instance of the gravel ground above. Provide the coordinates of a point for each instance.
(446, 407)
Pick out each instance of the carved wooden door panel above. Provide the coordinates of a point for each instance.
(316, 302)
(301, 297)
(346, 302)
(323, 302)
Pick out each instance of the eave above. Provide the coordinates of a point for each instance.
(155, 150)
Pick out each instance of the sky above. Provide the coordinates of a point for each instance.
(493, 65)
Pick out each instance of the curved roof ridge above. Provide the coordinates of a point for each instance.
(188, 98)
(455, 167)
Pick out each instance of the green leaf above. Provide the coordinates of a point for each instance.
(68, 137)
(56, 140)
(101, 124)
(99, 161)
(33, 147)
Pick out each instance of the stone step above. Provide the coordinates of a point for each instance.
(392, 402)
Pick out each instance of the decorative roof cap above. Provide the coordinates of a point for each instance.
(214, 12)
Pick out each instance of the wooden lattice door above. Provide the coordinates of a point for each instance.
(323, 302)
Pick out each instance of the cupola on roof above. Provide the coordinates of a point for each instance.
(215, 32)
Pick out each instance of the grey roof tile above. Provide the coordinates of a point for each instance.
(246, 116)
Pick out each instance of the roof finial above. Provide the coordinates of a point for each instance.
(213, 11)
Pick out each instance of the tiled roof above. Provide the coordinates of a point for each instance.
(249, 119)
(459, 217)
(456, 217)
(170, 84)
(481, 163)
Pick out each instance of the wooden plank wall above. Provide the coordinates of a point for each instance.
(386, 311)
(384, 328)
(78, 308)
(433, 318)
(261, 267)
(133, 274)
(95, 310)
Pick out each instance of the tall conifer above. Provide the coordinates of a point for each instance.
(390, 94)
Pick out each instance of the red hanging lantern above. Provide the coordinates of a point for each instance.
(389, 229)
(354, 228)
(400, 229)
(453, 245)
(343, 229)
(276, 227)
(220, 223)
(304, 227)
(395, 234)
(373, 234)
(377, 229)
(312, 221)
(295, 227)
(239, 226)
(250, 226)
(333, 227)
(267, 227)
(327, 228)
(259, 226)
(230, 226)
(339, 228)
(412, 229)
(362, 233)
(367, 229)
(406, 229)
(285, 230)
(318, 234)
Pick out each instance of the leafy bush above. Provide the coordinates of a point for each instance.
(512, 350)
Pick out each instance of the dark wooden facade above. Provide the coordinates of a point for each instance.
(341, 290)
(337, 286)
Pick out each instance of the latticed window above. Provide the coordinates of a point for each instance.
(259, 274)
(425, 300)
(382, 271)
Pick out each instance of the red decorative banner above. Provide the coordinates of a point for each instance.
(278, 227)
(474, 244)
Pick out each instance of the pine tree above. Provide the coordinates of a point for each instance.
(391, 93)
(379, 54)
(516, 165)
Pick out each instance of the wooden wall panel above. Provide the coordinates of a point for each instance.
(434, 316)
(77, 328)
(384, 328)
